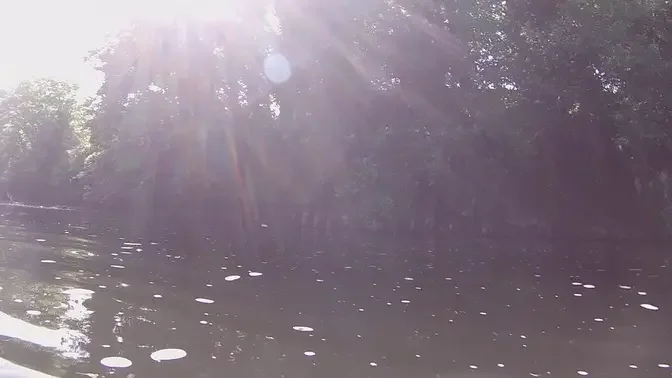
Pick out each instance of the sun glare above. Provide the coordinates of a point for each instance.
(47, 38)
(167, 10)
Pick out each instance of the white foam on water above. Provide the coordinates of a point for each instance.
(204, 300)
(641, 292)
(664, 366)
(157, 296)
(168, 354)
(118, 266)
(41, 240)
(408, 278)
(500, 365)
(632, 366)
(578, 294)
(48, 261)
(577, 283)
(405, 301)
(582, 372)
(303, 329)
(473, 367)
(373, 364)
(33, 312)
(232, 277)
(625, 287)
(599, 319)
(116, 362)
(255, 274)
(309, 353)
(133, 244)
(483, 313)
(649, 306)
(589, 286)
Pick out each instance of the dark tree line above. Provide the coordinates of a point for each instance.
(463, 117)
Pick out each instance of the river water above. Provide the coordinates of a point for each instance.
(77, 302)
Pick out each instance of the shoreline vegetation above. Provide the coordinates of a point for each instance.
(449, 119)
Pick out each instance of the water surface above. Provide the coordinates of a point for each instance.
(80, 302)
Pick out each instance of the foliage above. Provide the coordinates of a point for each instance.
(484, 116)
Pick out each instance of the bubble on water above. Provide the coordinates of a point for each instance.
(405, 301)
(203, 322)
(649, 306)
(302, 329)
(625, 287)
(33, 312)
(132, 244)
(48, 261)
(204, 300)
(157, 296)
(309, 353)
(168, 354)
(589, 286)
(664, 366)
(632, 366)
(277, 68)
(641, 292)
(255, 274)
(599, 319)
(232, 277)
(118, 266)
(264, 225)
(116, 362)
(17, 300)
(373, 364)
(578, 294)
(581, 372)
(483, 313)
(408, 278)
(577, 283)
(41, 240)
(500, 365)
(473, 367)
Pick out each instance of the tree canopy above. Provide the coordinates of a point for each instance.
(454, 116)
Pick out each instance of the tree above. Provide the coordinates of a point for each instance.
(37, 139)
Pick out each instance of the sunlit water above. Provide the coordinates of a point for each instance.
(73, 304)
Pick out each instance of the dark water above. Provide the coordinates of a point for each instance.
(72, 297)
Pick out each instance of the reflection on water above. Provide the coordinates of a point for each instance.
(68, 342)
(9, 369)
(73, 304)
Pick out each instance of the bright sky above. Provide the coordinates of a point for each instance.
(50, 38)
